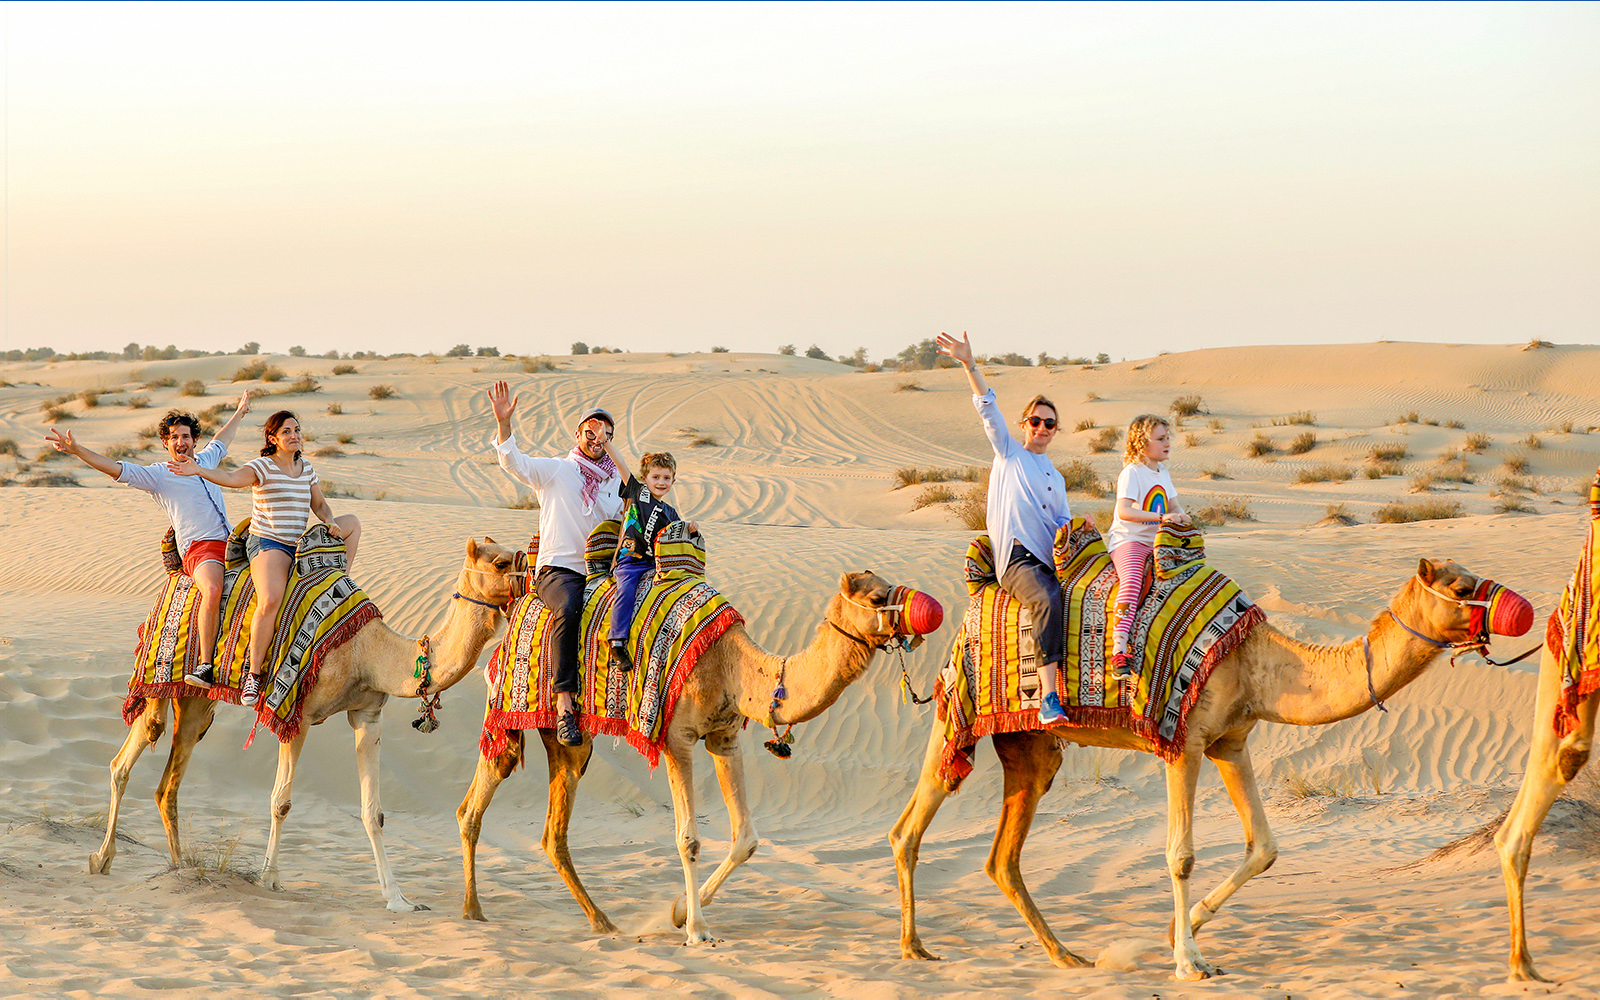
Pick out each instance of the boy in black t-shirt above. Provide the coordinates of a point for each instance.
(646, 515)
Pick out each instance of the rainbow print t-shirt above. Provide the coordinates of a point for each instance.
(1149, 491)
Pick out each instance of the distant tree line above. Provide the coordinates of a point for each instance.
(925, 355)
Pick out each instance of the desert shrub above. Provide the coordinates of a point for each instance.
(704, 441)
(1339, 513)
(1517, 484)
(1513, 504)
(334, 409)
(1408, 418)
(1260, 447)
(1455, 471)
(909, 385)
(344, 369)
(1217, 510)
(347, 439)
(1303, 417)
(1517, 465)
(258, 370)
(526, 501)
(330, 488)
(911, 475)
(1423, 482)
(1538, 345)
(1106, 440)
(937, 493)
(1532, 442)
(1303, 442)
(152, 431)
(1378, 468)
(1215, 426)
(1081, 478)
(1086, 424)
(328, 452)
(56, 414)
(1454, 425)
(535, 365)
(8, 446)
(1191, 440)
(1218, 471)
(1092, 397)
(972, 510)
(90, 397)
(50, 480)
(165, 382)
(1188, 406)
(382, 392)
(305, 383)
(138, 402)
(1325, 473)
(1431, 509)
(48, 455)
(1389, 451)
(193, 387)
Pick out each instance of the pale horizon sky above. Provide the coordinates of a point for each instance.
(1061, 178)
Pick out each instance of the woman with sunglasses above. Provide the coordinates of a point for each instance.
(1027, 506)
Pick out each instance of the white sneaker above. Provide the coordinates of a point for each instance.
(252, 690)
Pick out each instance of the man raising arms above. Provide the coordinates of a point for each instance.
(194, 506)
(576, 492)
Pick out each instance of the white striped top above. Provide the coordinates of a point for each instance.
(282, 502)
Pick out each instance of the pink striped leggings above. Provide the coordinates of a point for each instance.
(1129, 559)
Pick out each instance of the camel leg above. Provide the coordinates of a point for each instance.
(727, 755)
(906, 841)
(1552, 763)
(191, 718)
(469, 816)
(1182, 776)
(1030, 761)
(144, 732)
(288, 757)
(368, 726)
(567, 765)
(1231, 754)
(680, 774)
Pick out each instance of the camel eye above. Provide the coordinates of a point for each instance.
(502, 563)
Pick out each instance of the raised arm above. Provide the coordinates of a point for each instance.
(961, 350)
(235, 479)
(616, 457)
(64, 442)
(225, 435)
(503, 404)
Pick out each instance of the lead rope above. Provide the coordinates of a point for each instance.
(426, 721)
(906, 690)
(779, 746)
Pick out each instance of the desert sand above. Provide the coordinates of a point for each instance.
(796, 486)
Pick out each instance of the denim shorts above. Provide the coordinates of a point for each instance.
(273, 545)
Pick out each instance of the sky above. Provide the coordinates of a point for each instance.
(1068, 179)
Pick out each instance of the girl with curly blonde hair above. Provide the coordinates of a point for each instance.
(1145, 498)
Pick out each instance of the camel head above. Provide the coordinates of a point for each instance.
(878, 613)
(1447, 604)
(493, 574)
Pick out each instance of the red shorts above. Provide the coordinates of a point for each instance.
(199, 552)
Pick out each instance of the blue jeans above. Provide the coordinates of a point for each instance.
(629, 572)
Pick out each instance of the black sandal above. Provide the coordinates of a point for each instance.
(567, 732)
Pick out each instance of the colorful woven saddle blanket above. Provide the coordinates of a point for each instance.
(322, 609)
(1189, 618)
(675, 619)
(1573, 633)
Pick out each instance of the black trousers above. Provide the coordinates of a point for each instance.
(561, 590)
(1035, 585)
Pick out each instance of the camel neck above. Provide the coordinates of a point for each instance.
(1305, 685)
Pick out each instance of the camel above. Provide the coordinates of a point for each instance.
(1553, 761)
(1268, 677)
(734, 680)
(357, 678)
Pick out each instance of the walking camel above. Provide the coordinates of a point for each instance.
(357, 678)
(1268, 677)
(733, 680)
(1553, 761)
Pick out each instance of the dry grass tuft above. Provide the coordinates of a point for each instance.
(138, 402)
(1303, 417)
(1218, 471)
(526, 501)
(1106, 440)
(1326, 473)
(1302, 443)
(1086, 424)
(1260, 447)
(1511, 503)
(1337, 515)
(1431, 509)
(1532, 442)
(1218, 510)
(909, 385)
(344, 369)
(1389, 451)
(193, 387)
(384, 391)
(1517, 465)
(1081, 478)
(1188, 406)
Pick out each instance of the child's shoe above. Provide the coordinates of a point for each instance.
(1122, 668)
(1050, 710)
(619, 655)
(200, 676)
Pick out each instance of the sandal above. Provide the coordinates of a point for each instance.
(567, 732)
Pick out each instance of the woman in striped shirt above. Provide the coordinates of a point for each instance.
(286, 492)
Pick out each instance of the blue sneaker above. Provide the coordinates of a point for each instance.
(1050, 711)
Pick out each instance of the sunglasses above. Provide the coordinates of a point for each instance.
(1049, 422)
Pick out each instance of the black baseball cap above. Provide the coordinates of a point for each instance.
(597, 413)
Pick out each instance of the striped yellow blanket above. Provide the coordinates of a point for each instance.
(323, 609)
(677, 618)
(1189, 619)
(1573, 634)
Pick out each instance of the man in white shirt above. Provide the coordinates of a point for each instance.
(576, 492)
(194, 506)
(1027, 506)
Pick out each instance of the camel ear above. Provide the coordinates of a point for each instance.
(853, 583)
(490, 540)
(1425, 571)
(472, 548)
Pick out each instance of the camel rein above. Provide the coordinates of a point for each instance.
(427, 719)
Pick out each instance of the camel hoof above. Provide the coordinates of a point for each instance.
(99, 865)
(404, 905)
(603, 925)
(701, 936)
(473, 914)
(1526, 974)
(917, 951)
(680, 911)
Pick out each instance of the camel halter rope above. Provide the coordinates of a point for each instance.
(781, 744)
(427, 719)
(1478, 644)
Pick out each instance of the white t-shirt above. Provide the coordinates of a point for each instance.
(282, 502)
(564, 522)
(1150, 491)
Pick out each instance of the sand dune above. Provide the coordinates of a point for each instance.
(796, 488)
